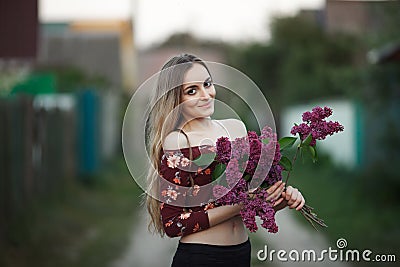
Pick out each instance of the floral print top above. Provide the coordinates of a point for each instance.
(184, 207)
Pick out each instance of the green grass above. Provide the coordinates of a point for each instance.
(86, 225)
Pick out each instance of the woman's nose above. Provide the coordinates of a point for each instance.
(204, 93)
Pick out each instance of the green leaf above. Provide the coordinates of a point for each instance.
(264, 184)
(204, 159)
(218, 171)
(313, 151)
(287, 142)
(265, 140)
(307, 141)
(247, 177)
(286, 163)
(309, 151)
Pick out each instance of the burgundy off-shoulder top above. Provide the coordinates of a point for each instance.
(176, 191)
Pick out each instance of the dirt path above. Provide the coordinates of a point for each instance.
(147, 250)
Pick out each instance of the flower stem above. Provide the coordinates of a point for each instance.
(293, 161)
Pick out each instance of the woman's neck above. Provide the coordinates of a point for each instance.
(197, 125)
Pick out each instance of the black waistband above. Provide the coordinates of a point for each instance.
(205, 247)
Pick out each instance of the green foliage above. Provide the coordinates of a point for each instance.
(313, 151)
(301, 63)
(265, 141)
(352, 203)
(218, 171)
(306, 142)
(295, 31)
(262, 63)
(286, 142)
(387, 27)
(204, 159)
(70, 79)
(43, 83)
(285, 163)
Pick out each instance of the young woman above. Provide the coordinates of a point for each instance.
(179, 129)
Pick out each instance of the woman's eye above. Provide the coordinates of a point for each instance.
(207, 84)
(191, 91)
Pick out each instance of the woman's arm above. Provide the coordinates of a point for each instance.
(222, 213)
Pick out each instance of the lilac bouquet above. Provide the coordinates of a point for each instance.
(248, 166)
(247, 161)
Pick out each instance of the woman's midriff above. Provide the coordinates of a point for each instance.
(229, 232)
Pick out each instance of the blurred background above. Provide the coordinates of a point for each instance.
(69, 68)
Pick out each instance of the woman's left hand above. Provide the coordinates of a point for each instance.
(293, 198)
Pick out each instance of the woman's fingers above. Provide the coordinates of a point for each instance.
(303, 201)
(275, 191)
(294, 198)
(274, 187)
(291, 195)
(297, 201)
(279, 201)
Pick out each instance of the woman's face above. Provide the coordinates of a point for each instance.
(198, 93)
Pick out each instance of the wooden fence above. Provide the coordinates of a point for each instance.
(43, 146)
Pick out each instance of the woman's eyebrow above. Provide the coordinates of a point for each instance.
(194, 85)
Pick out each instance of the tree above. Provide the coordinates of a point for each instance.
(301, 63)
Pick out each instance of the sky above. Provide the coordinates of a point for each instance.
(155, 20)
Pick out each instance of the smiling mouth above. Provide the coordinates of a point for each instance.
(206, 105)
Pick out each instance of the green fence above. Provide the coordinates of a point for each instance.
(45, 141)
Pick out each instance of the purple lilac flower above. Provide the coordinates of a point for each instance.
(257, 206)
(255, 152)
(263, 155)
(223, 150)
(249, 219)
(251, 156)
(268, 218)
(219, 191)
(240, 147)
(236, 195)
(233, 173)
(274, 175)
(266, 132)
(316, 125)
(275, 170)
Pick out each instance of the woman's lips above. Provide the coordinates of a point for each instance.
(207, 105)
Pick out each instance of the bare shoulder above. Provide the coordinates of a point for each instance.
(174, 140)
(235, 127)
(234, 124)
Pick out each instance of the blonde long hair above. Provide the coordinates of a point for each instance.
(164, 117)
